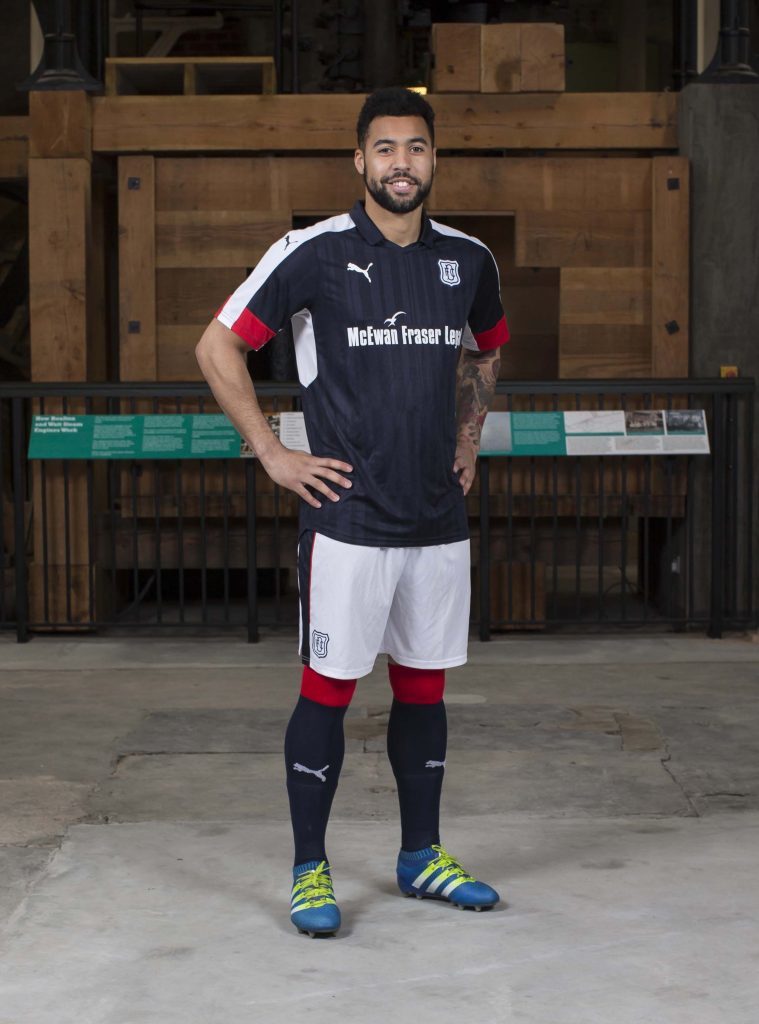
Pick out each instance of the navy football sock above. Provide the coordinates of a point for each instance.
(416, 740)
(314, 749)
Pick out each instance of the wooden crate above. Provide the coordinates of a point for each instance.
(194, 76)
(504, 58)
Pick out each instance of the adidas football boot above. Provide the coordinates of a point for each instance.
(313, 909)
(433, 874)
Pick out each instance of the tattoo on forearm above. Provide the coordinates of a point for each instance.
(476, 377)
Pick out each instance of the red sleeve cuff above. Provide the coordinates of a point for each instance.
(493, 338)
(251, 329)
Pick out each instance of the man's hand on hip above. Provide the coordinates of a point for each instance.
(465, 463)
(298, 471)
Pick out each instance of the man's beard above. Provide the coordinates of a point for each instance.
(397, 204)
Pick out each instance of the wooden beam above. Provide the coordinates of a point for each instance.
(515, 183)
(61, 124)
(137, 302)
(670, 266)
(59, 243)
(123, 124)
(217, 238)
(568, 238)
(14, 147)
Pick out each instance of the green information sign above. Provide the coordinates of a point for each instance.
(181, 436)
(212, 436)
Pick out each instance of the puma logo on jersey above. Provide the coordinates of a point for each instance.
(287, 242)
(360, 270)
(391, 319)
(319, 772)
(435, 764)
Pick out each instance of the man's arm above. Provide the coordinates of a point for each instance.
(476, 376)
(221, 357)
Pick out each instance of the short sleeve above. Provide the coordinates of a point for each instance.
(486, 321)
(283, 283)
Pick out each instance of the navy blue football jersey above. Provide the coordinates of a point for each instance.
(378, 328)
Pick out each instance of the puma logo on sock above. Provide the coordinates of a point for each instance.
(435, 764)
(319, 773)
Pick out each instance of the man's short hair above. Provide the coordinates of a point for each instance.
(394, 102)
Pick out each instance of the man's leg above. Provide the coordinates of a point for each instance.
(427, 633)
(346, 591)
(416, 740)
(314, 749)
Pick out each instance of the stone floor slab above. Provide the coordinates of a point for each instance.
(607, 921)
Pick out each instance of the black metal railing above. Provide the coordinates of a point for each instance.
(652, 541)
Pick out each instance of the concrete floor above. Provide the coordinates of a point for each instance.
(609, 788)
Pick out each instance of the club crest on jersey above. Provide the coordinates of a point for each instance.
(449, 272)
(319, 642)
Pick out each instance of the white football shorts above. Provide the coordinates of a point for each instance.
(357, 602)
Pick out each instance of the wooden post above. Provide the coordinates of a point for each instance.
(62, 326)
(137, 289)
(670, 218)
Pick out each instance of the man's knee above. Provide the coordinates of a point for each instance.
(416, 685)
(333, 693)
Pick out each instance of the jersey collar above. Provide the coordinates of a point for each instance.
(372, 234)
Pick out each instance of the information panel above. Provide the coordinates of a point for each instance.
(212, 436)
(162, 436)
(605, 432)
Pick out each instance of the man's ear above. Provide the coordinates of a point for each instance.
(358, 160)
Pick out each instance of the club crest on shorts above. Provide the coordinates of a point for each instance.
(319, 642)
(449, 272)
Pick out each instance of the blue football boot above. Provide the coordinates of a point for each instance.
(434, 874)
(313, 909)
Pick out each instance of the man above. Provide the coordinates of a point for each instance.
(397, 323)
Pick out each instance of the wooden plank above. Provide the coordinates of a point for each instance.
(307, 122)
(501, 58)
(54, 534)
(59, 243)
(605, 322)
(74, 585)
(542, 57)
(193, 296)
(97, 292)
(606, 295)
(456, 57)
(60, 124)
(486, 183)
(176, 350)
(604, 350)
(327, 184)
(218, 238)
(212, 183)
(14, 147)
(671, 270)
(137, 303)
(561, 238)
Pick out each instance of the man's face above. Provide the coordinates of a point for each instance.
(397, 162)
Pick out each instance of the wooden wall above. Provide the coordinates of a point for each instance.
(593, 251)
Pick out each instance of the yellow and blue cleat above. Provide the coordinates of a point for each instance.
(313, 908)
(433, 874)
